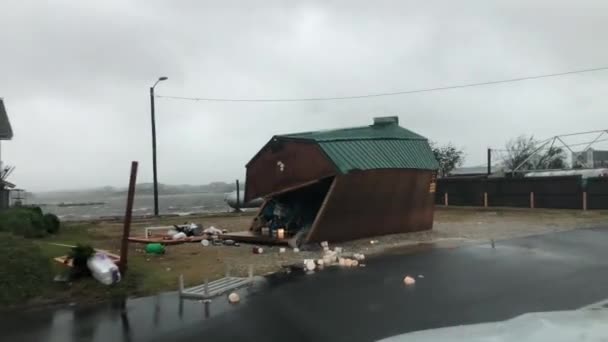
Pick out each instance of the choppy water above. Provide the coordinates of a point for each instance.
(180, 204)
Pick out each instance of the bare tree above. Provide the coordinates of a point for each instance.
(448, 157)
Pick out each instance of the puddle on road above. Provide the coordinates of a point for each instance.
(124, 320)
(426, 246)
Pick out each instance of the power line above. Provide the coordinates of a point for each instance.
(570, 145)
(353, 97)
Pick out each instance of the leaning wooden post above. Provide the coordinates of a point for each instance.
(531, 200)
(126, 231)
(238, 197)
(485, 199)
(445, 199)
(584, 200)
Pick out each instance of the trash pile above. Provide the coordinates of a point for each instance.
(178, 234)
(335, 257)
(213, 238)
(84, 261)
(285, 220)
(182, 231)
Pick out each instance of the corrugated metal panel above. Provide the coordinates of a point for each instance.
(358, 133)
(380, 154)
(6, 132)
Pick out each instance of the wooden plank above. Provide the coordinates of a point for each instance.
(64, 260)
(321, 211)
(249, 236)
(258, 214)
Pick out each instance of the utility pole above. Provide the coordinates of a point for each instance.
(238, 198)
(489, 161)
(154, 144)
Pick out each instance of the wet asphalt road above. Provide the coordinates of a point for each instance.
(559, 271)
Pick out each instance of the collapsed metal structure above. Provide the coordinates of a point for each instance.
(600, 136)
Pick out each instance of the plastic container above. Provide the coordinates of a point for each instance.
(179, 236)
(103, 269)
(155, 248)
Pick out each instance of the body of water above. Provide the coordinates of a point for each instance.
(179, 204)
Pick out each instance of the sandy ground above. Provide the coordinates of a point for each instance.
(453, 226)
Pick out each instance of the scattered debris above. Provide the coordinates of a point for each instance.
(234, 298)
(359, 256)
(103, 269)
(229, 242)
(354, 263)
(236, 244)
(309, 264)
(168, 269)
(212, 231)
(361, 265)
(179, 236)
(373, 242)
(330, 258)
(338, 249)
(409, 280)
(324, 244)
(280, 233)
(282, 250)
(205, 242)
(155, 248)
(190, 229)
(296, 250)
(420, 276)
(258, 250)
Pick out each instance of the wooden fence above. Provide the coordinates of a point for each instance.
(564, 192)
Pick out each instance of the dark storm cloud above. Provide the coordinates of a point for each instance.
(76, 77)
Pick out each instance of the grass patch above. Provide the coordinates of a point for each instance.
(146, 274)
(25, 272)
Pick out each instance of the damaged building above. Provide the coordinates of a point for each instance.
(343, 184)
(6, 133)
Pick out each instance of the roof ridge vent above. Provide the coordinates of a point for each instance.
(386, 120)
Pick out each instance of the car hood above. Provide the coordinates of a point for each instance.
(581, 325)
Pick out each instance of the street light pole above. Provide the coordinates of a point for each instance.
(154, 144)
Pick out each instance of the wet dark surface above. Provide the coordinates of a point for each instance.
(472, 284)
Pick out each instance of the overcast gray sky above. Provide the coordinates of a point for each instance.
(75, 78)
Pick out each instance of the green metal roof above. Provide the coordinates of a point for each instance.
(386, 131)
(379, 146)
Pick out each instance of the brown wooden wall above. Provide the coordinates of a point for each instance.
(304, 162)
(375, 202)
